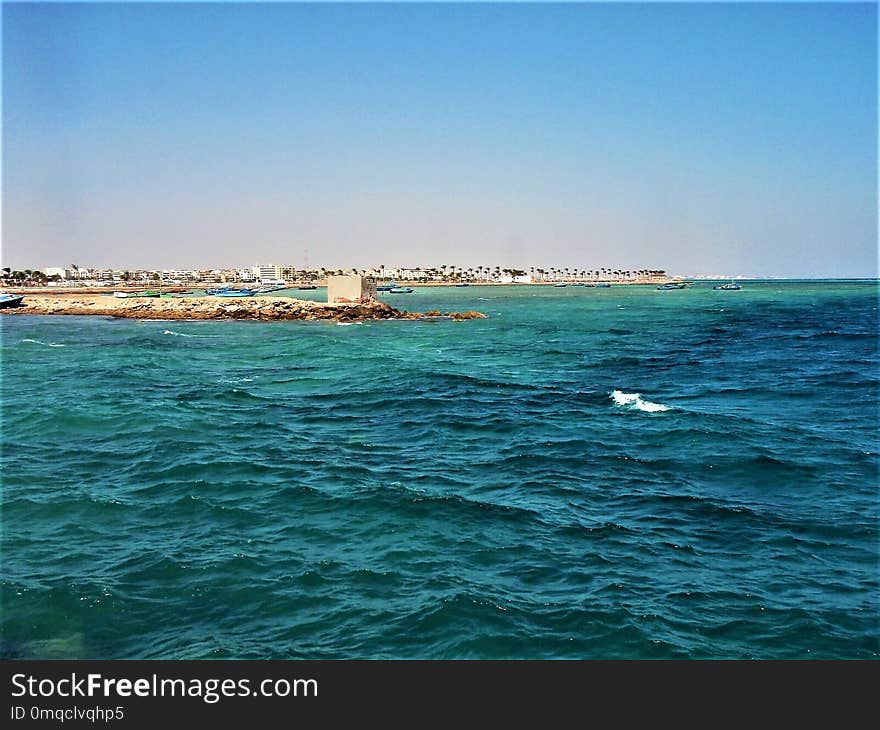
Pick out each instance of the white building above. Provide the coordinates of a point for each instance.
(267, 273)
(60, 271)
(407, 274)
(522, 279)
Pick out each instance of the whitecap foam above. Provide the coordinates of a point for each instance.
(44, 344)
(635, 400)
(183, 334)
(347, 324)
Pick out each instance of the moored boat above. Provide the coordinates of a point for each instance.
(135, 294)
(400, 290)
(235, 293)
(560, 285)
(270, 288)
(732, 286)
(672, 285)
(9, 301)
(307, 287)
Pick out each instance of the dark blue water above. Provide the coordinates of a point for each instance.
(439, 490)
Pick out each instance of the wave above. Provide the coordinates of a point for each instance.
(45, 344)
(182, 334)
(635, 400)
(347, 324)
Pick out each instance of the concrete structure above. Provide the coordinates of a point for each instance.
(350, 289)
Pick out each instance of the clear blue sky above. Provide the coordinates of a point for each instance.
(731, 139)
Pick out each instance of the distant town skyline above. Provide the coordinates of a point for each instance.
(726, 139)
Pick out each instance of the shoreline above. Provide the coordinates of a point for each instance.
(321, 284)
(263, 308)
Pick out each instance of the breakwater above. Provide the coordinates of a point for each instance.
(200, 308)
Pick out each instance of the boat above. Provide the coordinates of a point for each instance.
(672, 285)
(235, 293)
(604, 285)
(271, 287)
(732, 286)
(463, 284)
(560, 285)
(135, 294)
(400, 290)
(9, 301)
(307, 287)
(578, 284)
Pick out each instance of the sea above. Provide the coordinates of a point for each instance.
(619, 473)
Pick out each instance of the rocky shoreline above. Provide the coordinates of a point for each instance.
(266, 308)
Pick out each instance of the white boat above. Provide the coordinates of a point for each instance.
(133, 294)
(9, 301)
(732, 286)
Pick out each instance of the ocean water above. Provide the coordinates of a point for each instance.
(588, 473)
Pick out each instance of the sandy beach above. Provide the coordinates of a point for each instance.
(181, 308)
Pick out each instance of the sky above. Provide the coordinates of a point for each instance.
(730, 139)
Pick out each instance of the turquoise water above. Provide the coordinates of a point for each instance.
(445, 490)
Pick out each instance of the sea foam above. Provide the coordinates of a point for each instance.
(45, 344)
(635, 400)
(182, 334)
